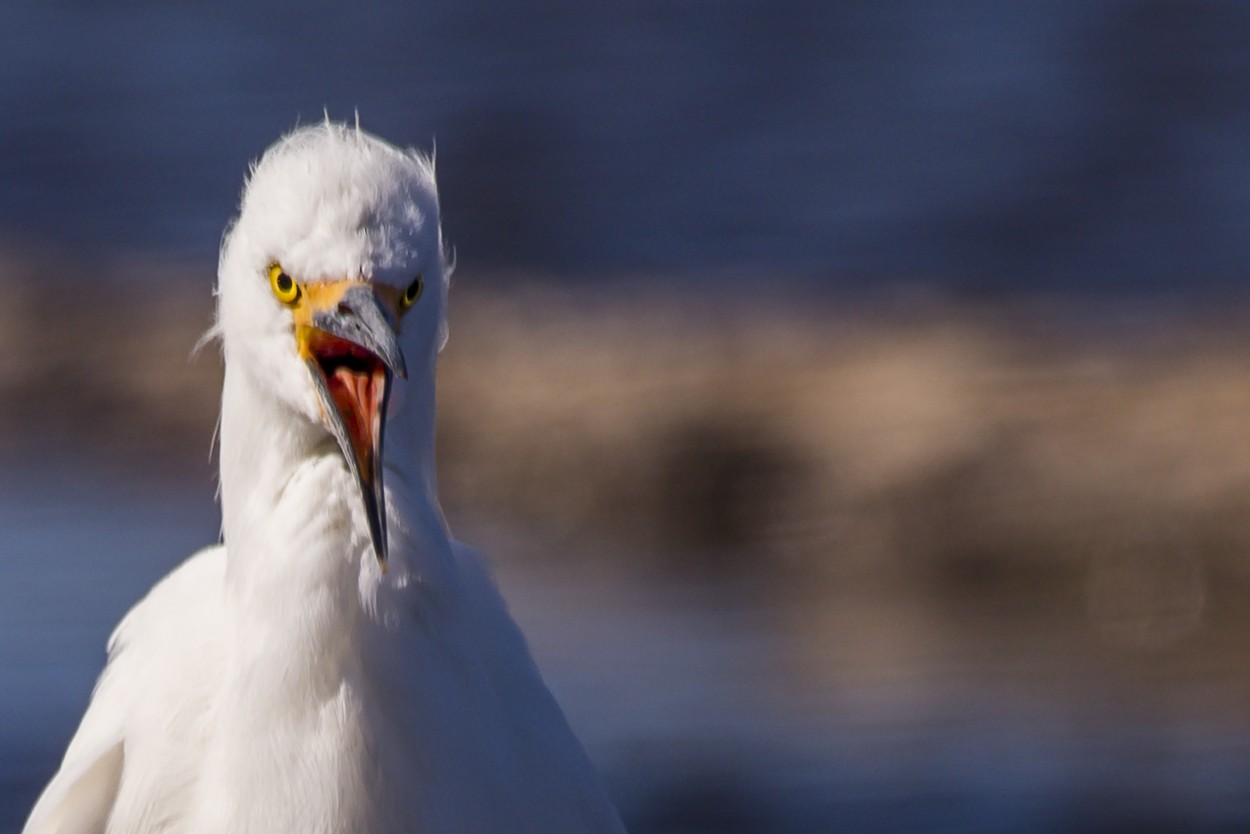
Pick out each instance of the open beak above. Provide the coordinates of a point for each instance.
(348, 341)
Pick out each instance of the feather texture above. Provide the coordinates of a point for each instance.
(283, 682)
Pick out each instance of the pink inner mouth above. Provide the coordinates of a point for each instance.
(355, 379)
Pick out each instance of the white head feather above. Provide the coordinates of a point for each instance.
(329, 202)
(326, 202)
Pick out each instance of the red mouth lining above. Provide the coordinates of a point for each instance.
(355, 379)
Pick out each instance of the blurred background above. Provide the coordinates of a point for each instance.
(854, 397)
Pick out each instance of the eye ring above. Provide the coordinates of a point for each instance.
(412, 293)
(284, 286)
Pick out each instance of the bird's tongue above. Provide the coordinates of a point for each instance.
(357, 394)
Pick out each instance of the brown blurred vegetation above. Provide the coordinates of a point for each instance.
(1074, 449)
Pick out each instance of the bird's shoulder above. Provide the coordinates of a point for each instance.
(496, 635)
(551, 757)
(186, 605)
(169, 640)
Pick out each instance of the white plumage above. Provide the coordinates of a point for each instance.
(336, 665)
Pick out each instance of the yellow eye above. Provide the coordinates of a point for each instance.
(284, 285)
(411, 294)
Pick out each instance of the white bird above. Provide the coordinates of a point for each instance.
(339, 663)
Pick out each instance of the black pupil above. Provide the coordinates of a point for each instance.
(284, 282)
(413, 289)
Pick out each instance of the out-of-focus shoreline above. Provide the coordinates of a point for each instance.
(926, 425)
(979, 440)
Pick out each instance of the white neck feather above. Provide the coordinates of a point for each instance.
(292, 517)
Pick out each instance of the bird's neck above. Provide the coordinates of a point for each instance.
(292, 517)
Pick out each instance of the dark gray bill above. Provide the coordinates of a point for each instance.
(353, 356)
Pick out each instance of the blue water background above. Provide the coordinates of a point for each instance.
(978, 145)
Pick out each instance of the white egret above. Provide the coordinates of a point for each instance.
(339, 663)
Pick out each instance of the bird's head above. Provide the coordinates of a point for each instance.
(332, 289)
